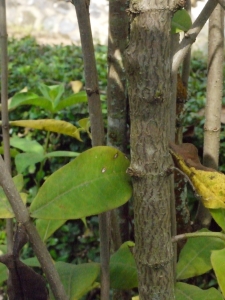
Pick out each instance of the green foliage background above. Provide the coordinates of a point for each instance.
(31, 64)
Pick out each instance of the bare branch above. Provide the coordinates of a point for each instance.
(97, 127)
(191, 35)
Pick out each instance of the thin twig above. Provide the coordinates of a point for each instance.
(192, 33)
(184, 236)
(4, 106)
(97, 127)
(22, 216)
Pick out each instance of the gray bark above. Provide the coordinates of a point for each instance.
(149, 75)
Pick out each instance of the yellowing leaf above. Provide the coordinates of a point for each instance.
(50, 125)
(209, 185)
(76, 85)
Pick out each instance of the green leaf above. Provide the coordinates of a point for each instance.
(219, 216)
(13, 152)
(58, 126)
(46, 228)
(84, 123)
(18, 181)
(184, 291)
(123, 271)
(26, 145)
(25, 160)
(29, 98)
(31, 262)
(62, 154)
(96, 181)
(56, 92)
(3, 273)
(77, 280)
(3, 268)
(71, 100)
(5, 207)
(194, 258)
(218, 263)
(181, 21)
(53, 93)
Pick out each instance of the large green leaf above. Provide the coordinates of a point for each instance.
(77, 280)
(71, 100)
(58, 126)
(184, 291)
(46, 228)
(181, 21)
(29, 98)
(218, 263)
(123, 271)
(219, 216)
(96, 181)
(26, 145)
(194, 258)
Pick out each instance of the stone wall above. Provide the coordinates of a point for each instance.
(53, 21)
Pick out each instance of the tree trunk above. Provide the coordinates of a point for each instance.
(149, 74)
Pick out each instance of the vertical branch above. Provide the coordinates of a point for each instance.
(173, 118)
(4, 107)
(117, 102)
(97, 127)
(149, 73)
(213, 101)
(174, 46)
(182, 212)
(187, 59)
(117, 111)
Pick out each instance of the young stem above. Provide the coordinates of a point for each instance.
(97, 127)
(183, 236)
